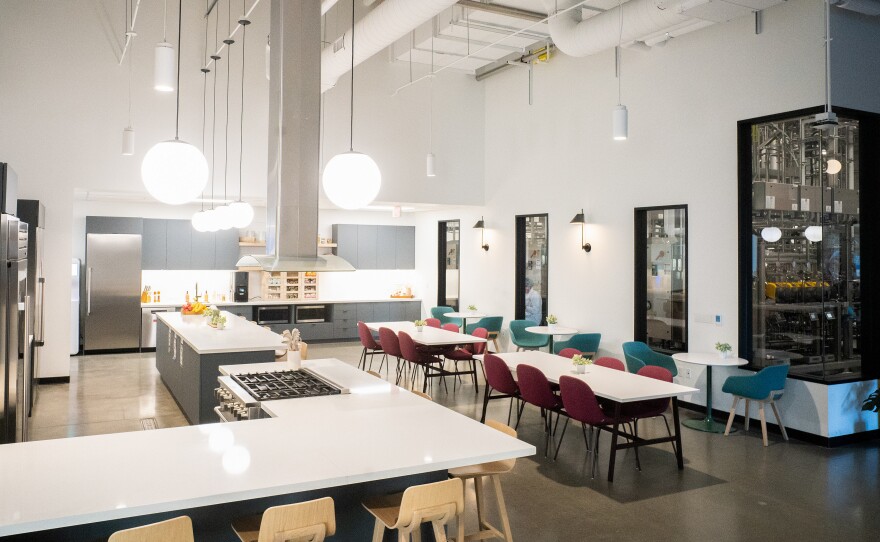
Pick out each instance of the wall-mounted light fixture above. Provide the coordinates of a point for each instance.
(582, 222)
(481, 225)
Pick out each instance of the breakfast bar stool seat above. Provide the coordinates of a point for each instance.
(172, 530)
(437, 503)
(310, 521)
(490, 470)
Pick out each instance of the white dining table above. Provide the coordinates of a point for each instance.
(617, 386)
(552, 331)
(464, 315)
(709, 359)
(429, 336)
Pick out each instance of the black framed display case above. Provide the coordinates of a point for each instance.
(802, 259)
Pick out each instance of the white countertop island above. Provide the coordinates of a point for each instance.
(376, 432)
(239, 335)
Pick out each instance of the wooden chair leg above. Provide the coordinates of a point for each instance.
(779, 419)
(481, 501)
(378, 531)
(732, 414)
(417, 533)
(748, 418)
(763, 423)
(502, 508)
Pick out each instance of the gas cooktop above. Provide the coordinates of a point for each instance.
(284, 385)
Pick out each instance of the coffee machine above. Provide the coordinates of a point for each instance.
(240, 293)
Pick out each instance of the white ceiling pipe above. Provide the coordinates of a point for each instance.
(326, 5)
(867, 7)
(385, 24)
(602, 32)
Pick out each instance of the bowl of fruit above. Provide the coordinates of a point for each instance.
(192, 311)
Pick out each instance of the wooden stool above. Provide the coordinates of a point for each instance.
(309, 521)
(491, 470)
(172, 530)
(438, 503)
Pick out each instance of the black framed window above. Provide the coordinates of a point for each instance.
(661, 277)
(448, 262)
(801, 257)
(532, 267)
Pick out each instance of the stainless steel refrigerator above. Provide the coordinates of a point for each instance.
(34, 213)
(14, 329)
(112, 296)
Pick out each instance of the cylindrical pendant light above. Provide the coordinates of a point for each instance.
(163, 73)
(128, 141)
(620, 123)
(430, 165)
(128, 132)
(174, 171)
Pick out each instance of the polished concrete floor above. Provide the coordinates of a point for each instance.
(732, 488)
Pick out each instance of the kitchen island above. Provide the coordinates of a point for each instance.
(377, 438)
(189, 352)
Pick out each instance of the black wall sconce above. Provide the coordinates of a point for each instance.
(481, 225)
(582, 222)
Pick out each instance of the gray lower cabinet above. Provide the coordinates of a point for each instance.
(365, 312)
(246, 311)
(381, 312)
(413, 310)
(315, 331)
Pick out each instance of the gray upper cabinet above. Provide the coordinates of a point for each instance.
(154, 242)
(226, 249)
(346, 238)
(368, 237)
(202, 251)
(114, 224)
(405, 256)
(376, 247)
(179, 244)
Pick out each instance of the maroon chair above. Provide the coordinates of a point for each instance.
(467, 352)
(450, 327)
(433, 322)
(410, 352)
(371, 347)
(581, 405)
(611, 363)
(500, 379)
(651, 408)
(391, 346)
(534, 388)
(569, 352)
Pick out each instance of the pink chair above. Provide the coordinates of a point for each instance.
(581, 405)
(450, 327)
(391, 346)
(651, 408)
(467, 352)
(534, 388)
(569, 352)
(410, 352)
(611, 363)
(371, 347)
(433, 322)
(500, 379)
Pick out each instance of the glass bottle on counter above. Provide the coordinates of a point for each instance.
(187, 296)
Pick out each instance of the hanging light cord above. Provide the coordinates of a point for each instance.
(351, 110)
(226, 134)
(205, 72)
(827, 56)
(619, 42)
(214, 111)
(241, 123)
(130, 60)
(164, 22)
(431, 96)
(179, 26)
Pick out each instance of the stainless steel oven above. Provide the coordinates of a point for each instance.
(272, 314)
(308, 314)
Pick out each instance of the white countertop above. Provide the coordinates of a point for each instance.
(253, 302)
(239, 335)
(322, 442)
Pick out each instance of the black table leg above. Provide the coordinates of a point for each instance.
(613, 452)
(678, 453)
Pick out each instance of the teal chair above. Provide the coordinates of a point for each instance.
(492, 324)
(440, 314)
(584, 342)
(765, 386)
(525, 340)
(639, 354)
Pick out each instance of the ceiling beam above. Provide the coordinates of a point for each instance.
(499, 9)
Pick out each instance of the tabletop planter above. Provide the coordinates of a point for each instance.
(724, 349)
(420, 325)
(580, 363)
(552, 321)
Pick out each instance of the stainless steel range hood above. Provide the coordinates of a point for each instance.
(294, 142)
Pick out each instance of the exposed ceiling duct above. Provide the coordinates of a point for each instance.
(294, 138)
(866, 7)
(385, 24)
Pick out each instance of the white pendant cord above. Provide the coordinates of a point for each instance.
(226, 131)
(431, 97)
(205, 72)
(165, 22)
(827, 56)
(351, 117)
(617, 51)
(241, 120)
(216, 59)
(129, 32)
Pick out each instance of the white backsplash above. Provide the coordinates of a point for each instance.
(378, 284)
(174, 285)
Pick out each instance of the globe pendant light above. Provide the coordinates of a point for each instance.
(163, 73)
(771, 234)
(813, 233)
(241, 211)
(351, 179)
(833, 166)
(175, 172)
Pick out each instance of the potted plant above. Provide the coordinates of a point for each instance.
(420, 325)
(551, 321)
(219, 321)
(724, 349)
(293, 339)
(472, 308)
(580, 363)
